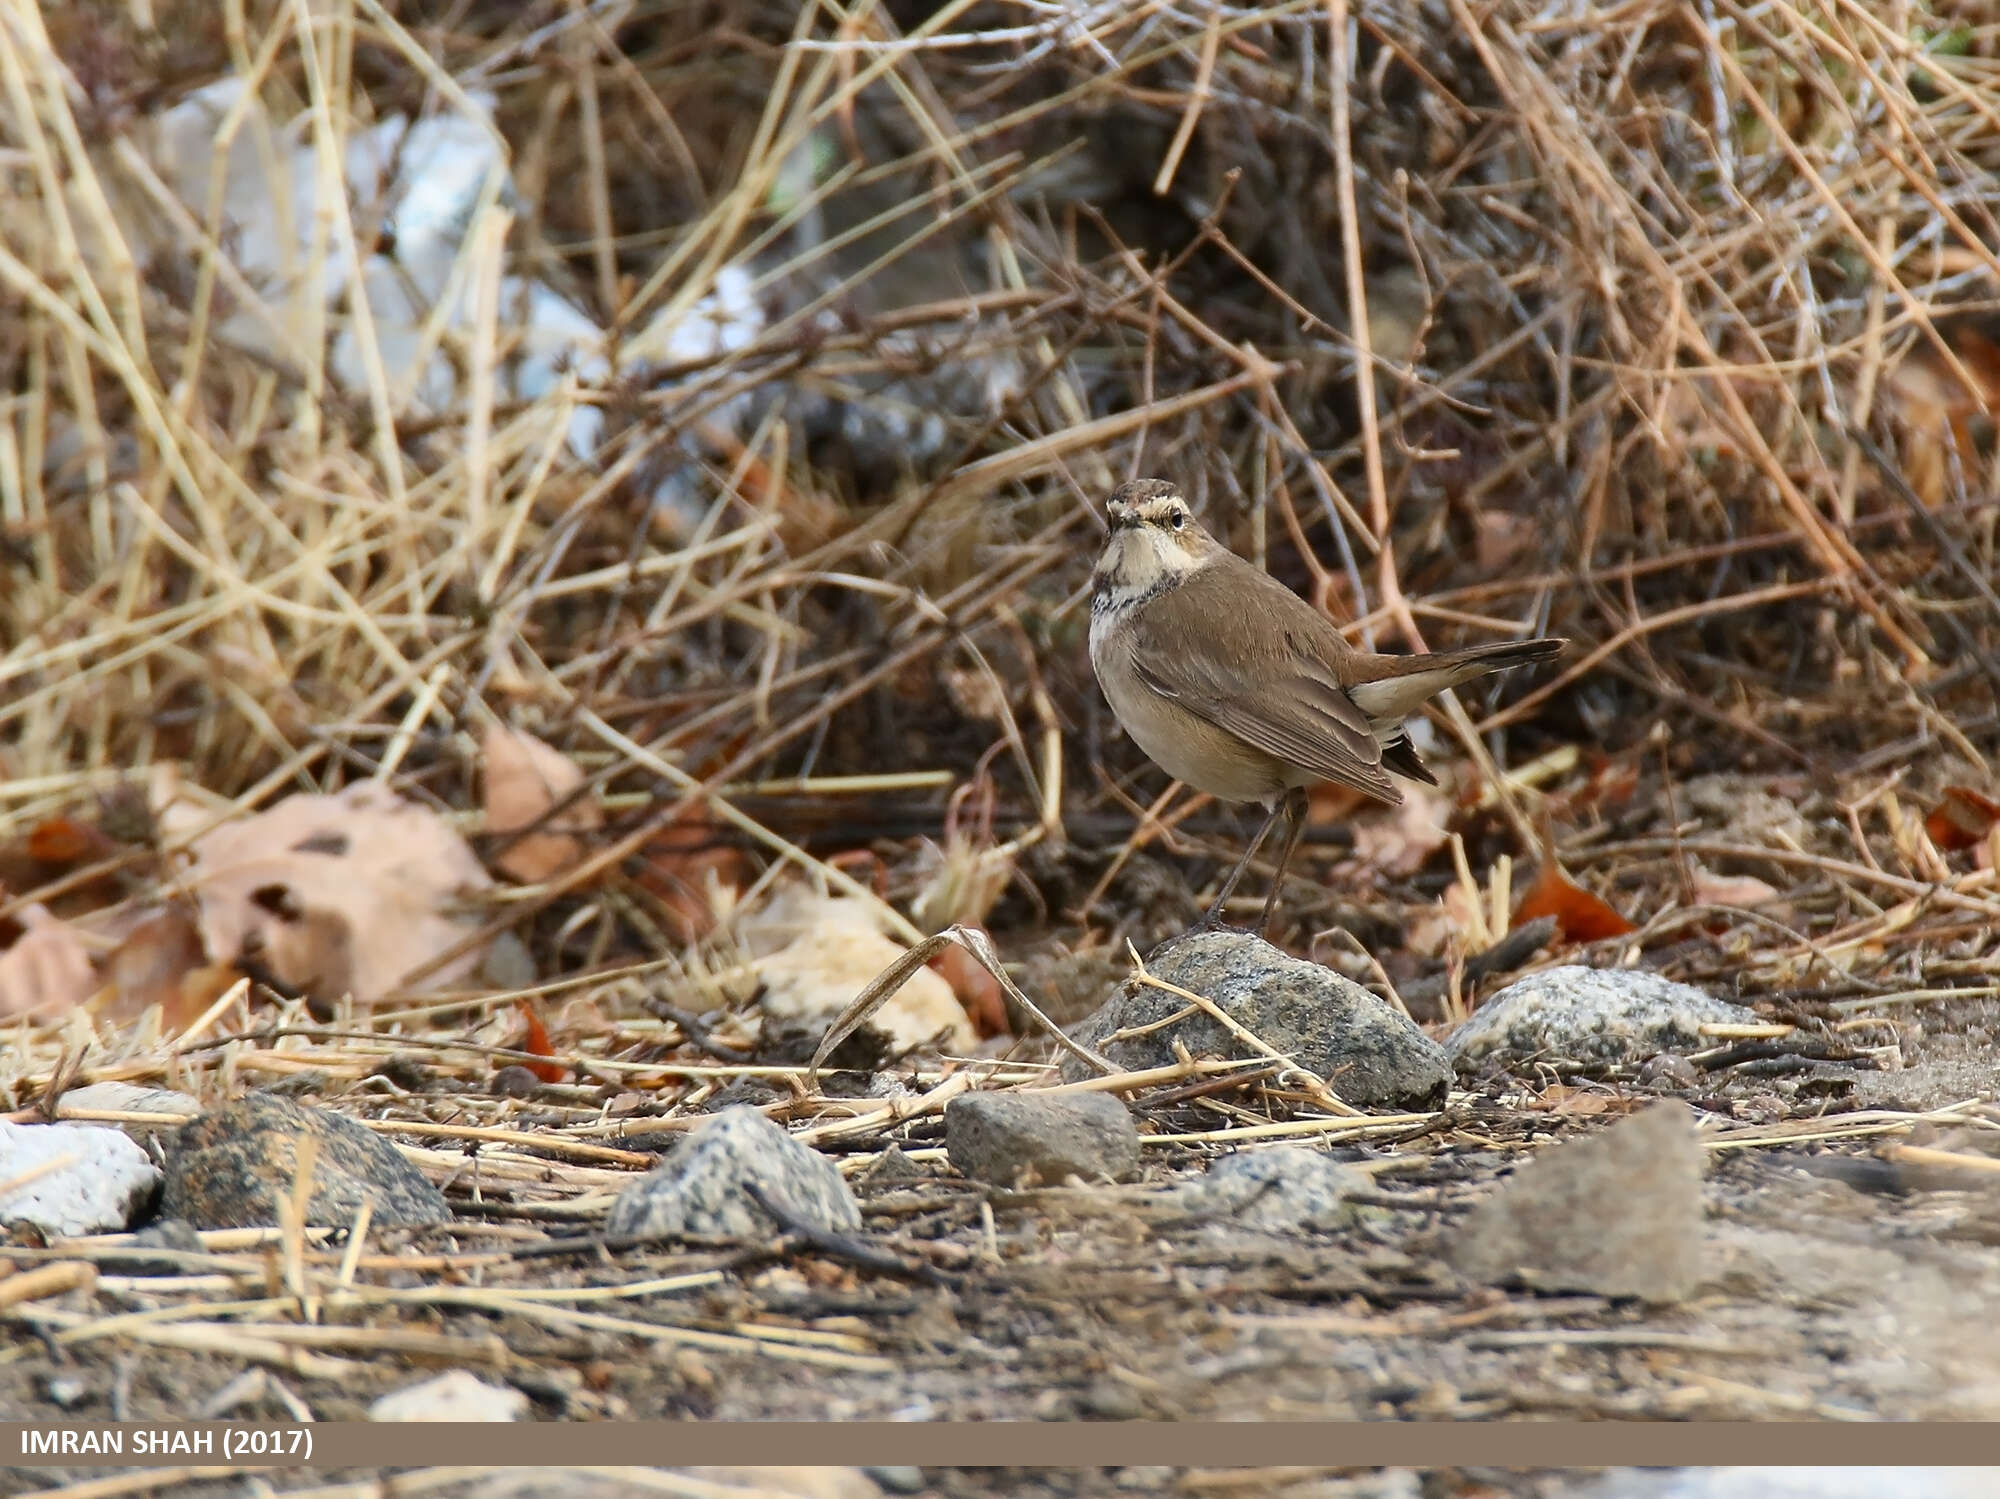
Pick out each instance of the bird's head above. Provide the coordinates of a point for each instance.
(1154, 536)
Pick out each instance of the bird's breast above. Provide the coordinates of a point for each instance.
(1178, 740)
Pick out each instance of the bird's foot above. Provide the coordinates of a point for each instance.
(1212, 921)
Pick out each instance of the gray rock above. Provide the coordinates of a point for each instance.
(105, 1186)
(699, 1188)
(1616, 1214)
(230, 1168)
(1589, 1014)
(1006, 1138)
(1278, 1189)
(1371, 1054)
(174, 1234)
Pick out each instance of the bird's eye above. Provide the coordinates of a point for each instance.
(1178, 519)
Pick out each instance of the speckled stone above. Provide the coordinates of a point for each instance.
(1589, 1014)
(1371, 1054)
(1280, 1188)
(1008, 1138)
(229, 1169)
(699, 1188)
(1618, 1213)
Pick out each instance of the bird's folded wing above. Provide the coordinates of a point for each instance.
(1298, 712)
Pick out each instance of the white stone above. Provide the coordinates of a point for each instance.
(457, 1396)
(73, 1179)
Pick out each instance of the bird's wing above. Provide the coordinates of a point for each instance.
(1280, 697)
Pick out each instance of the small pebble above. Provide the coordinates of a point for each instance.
(703, 1186)
(1007, 1139)
(515, 1081)
(67, 1391)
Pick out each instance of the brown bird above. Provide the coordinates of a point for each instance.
(1235, 685)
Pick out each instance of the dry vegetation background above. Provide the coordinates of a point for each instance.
(1675, 335)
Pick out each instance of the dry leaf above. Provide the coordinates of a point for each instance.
(56, 849)
(1731, 890)
(47, 970)
(329, 895)
(1585, 1104)
(690, 868)
(1963, 817)
(1938, 409)
(151, 967)
(1330, 803)
(1580, 916)
(177, 817)
(794, 911)
(839, 952)
(537, 1042)
(1429, 932)
(1608, 783)
(522, 778)
(1401, 840)
(64, 840)
(976, 694)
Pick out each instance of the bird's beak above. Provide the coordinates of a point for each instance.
(1123, 517)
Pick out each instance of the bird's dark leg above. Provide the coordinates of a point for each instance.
(1213, 918)
(1295, 807)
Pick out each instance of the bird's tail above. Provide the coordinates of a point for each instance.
(1399, 685)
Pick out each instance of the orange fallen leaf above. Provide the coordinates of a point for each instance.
(1962, 818)
(64, 840)
(47, 970)
(56, 849)
(538, 1043)
(1580, 916)
(329, 895)
(976, 989)
(522, 779)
